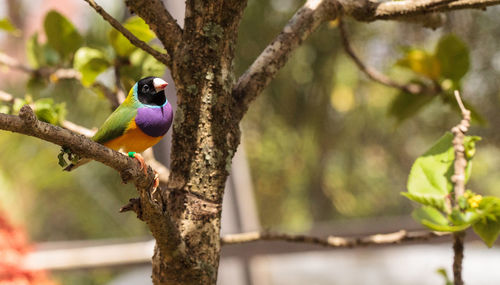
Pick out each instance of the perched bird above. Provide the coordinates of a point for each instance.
(138, 123)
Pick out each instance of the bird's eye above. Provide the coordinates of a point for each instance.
(145, 89)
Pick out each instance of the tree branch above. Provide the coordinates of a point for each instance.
(333, 241)
(315, 12)
(372, 73)
(164, 58)
(392, 10)
(275, 55)
(152, 203)
(458, 180)
(159, 20)
(14, 64)
(27, 123)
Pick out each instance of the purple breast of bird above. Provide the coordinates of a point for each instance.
(155, 121)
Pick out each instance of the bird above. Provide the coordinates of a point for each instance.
(138, 123)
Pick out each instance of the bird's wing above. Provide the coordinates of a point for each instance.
(116, 124)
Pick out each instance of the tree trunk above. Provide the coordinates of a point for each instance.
(205, 137)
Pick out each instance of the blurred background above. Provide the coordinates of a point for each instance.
(322, 153)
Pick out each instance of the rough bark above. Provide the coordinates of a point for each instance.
(184, 217)
(205, 137)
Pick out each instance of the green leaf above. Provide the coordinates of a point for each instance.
(488, 230)
(433, 219)
(470, 146)
(147, 63)
(34, 52)
(7, 26)
(421, 62)
(90, 62)
(430, 176)
(442, 272)
(141, 64)
(47, 111)
(138, 27)
(436, 201)
(453, 56)
(406, 105)
(431, 172)
(62, 161)
(40, 55)
(61, 34)
(459, 218)
(4, 109)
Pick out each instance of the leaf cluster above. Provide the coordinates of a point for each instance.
(430, 185)
(442, 70)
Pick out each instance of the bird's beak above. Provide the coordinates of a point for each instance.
(159, 84)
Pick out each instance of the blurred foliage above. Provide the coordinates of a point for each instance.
(430, 184)
(335, 145)
(7, 26)
(324, 143)
(58, 206)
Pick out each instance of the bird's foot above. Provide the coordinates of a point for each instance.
(140, 159)
(157, 180)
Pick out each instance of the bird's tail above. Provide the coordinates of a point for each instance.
(73, 166)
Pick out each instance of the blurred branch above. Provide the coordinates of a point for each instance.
(315, 12)
(393, 10)
(458, 180)
(373, 74)
(14, 64)
(276, 54)
(56, 74)
(6, 97)
(78, 129)
(333, 241)
(159, 20)
(164, 58)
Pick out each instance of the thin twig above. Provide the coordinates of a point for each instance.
(371, 72)
(56, 74)
(6, 97)
(458, 180)
(163, 58)
(333, 241)
(14, 64)
(159, 20)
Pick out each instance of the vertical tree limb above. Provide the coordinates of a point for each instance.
(458, 180)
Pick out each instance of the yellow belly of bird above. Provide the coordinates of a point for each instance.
(133, 139)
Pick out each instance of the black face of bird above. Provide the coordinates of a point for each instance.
(150, 91)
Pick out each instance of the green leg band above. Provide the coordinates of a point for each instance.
(131, 154)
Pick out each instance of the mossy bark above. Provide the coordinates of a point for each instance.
(205, 137)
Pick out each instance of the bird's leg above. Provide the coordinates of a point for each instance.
(157, 180)
(139, 158)
(145, 168)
